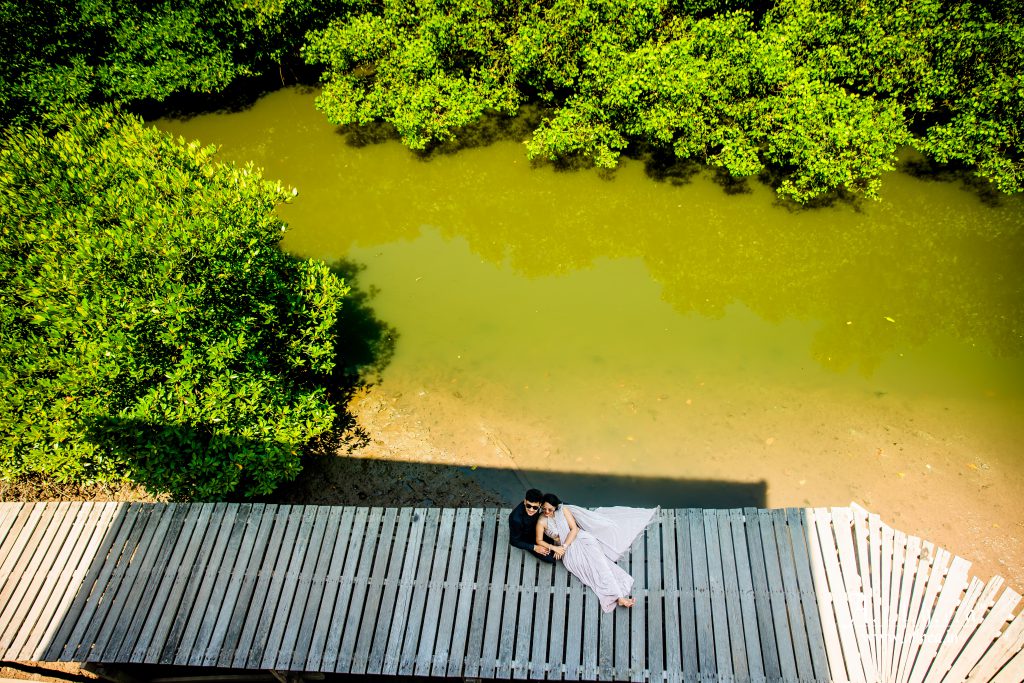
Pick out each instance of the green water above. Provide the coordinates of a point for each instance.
(658, 324)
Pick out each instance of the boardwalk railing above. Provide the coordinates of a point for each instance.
(721, 595)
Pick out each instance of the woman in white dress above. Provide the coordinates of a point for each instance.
(589, 542)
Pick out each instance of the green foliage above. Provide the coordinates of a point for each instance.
(818, 93)
(58, 54)
(150, 328)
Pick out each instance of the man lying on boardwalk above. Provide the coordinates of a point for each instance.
(522, 526)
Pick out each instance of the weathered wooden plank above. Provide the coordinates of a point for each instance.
(981, 639)
(272, 522)
(842, 523)
(454, 586)
(258, 524)
(359, 537)
(827, 613)
(289, 562)
(1013, 672)
(875, 549)
(302, 608)
(389, 543)
(43, 591)
(938, 621)
(808, 597)
(389, 600)
(575, 628)
(9, 513)
(762, 596)
(673, 646)
(605, 643)
(23, 544)
(146, 597)
(1010, 642)
(887, 555)
(45, 542)
(549, 637)
(513, 594)
(203, 587)
(840, 597)
(731, 589)
(922, 607)
(486, 567)
(716, 592)
(339, 531)
(164, 624)
(910, 566)
(896, 571)
(859, 517)
(428, 629)
(708, 637)
(791, 591)
(287, 521)
(590, 656)
(86, 558)
(524, 622)
(420, 588)
(655, 572)
(122, 579)
(632, 643)
(965, 619)
(777, 594)
(407, 584)
(375, 539)
(472, 580)
(745, 585)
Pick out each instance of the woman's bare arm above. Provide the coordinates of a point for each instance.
(573, 527)
(541, 528)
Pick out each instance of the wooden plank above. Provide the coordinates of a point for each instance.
(488, 662)
(287, 520)
(419, 587)
(632, 640)
(196, 632)
(455, 586)
(428, 629)
(339, 531)
(549, 657)
(731, 587)
(45, 542)
(931, 571)
(20, 551)
(375, 539)
(590, 656)
(524, 623)
(410, 567)
(1009, 643)
(223, 640)
(513, 591)
(146, 596)
(655, 572)
(605, 643)
(910, 567)
(288, 562)
(888, 554)
(86, 559)
(865, 551)
(938, 621)
(961, 626)
(843, 525)
(899, 554)
(708, 636)
(485, 566)
(48, 589)
(716, 592)
(777, 593)
(808, 597)
(1013, 672)
(272, 521)
(981, 639)
(673, 646)
(762, 596)
(875, 549)
(811, 663)
(745, 585)
(164, 623)
(9, 513)
(377, 650)
(472, 576)
(359, 538)
(298, 596)
(841, 600)
(575, 635)
(115, 594)
(828, 616)
(388, 543)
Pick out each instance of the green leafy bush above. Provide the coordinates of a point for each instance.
(150, 327)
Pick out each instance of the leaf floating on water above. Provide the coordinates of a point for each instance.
(901, 474)
(971, 466)
(769, 441)
(890, 319)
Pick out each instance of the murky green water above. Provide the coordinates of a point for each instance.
(664, 326)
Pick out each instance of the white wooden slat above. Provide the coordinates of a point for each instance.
(910, 567)
(503, 553)
(960, 627)
(420, 588)
(377, 650)
(887, 556)
(982, 638)
(828, 615)
(454, 587)
(897, 571)
(875, 542)
(808, 598)
(1010, 642)
(428, 630)
(485, 572)
(9, 513)
(339, 531)
(19, 546)
(842, 524)
(922, 573)
(923, 616)
(866, 569)
(952, 586)
(407, 584)
(1013, 672)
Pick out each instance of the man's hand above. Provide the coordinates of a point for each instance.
(543, 550)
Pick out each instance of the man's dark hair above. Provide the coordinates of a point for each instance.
(533, 495)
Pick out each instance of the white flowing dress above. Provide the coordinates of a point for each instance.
(604, 535)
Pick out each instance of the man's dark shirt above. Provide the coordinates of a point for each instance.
(522, 531)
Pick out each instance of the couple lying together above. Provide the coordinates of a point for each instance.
(588, 542)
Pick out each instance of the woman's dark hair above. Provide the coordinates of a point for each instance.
(552, 499)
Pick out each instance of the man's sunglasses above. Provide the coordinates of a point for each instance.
(531, 507)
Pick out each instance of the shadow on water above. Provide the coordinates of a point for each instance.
(922, 168)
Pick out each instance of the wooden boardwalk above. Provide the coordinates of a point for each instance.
(722, 595)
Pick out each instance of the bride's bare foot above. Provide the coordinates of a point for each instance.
(626, 602)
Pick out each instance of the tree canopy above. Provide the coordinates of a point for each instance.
(150, 327)
(819, 93)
